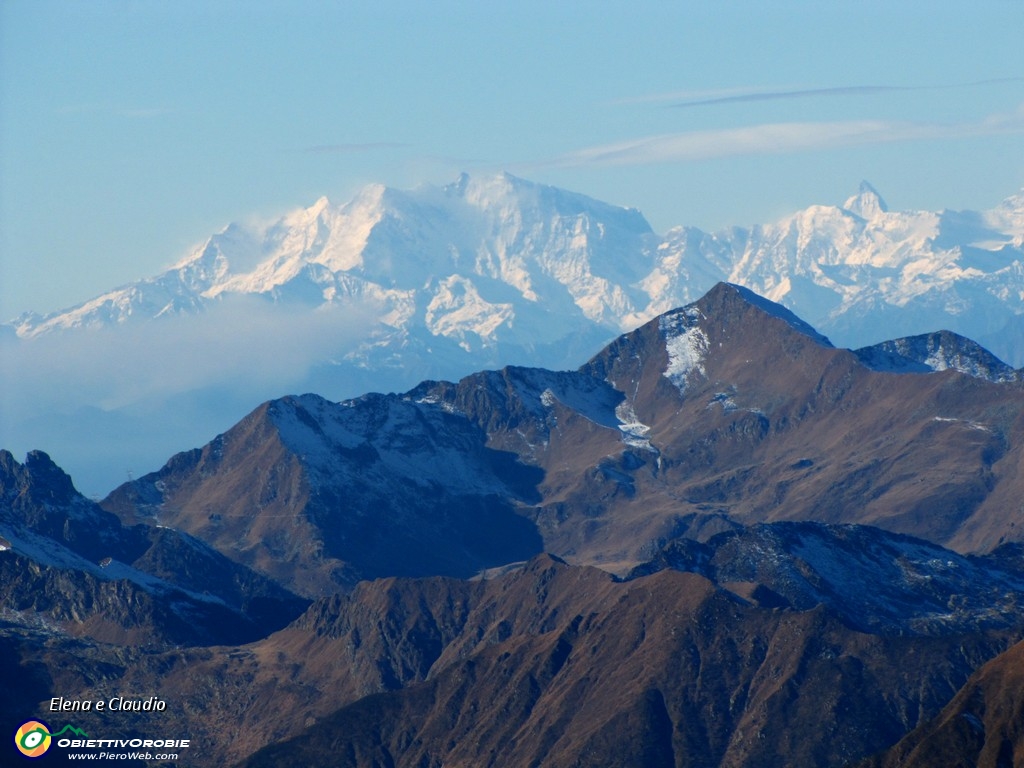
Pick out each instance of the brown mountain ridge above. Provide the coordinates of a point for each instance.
(551, 664)
(728, 411)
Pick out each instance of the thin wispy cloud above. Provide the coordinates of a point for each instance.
(849, 90)
(796, 93)
(702, 98)
(780, 138)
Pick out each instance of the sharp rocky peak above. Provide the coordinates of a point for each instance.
(867, 203)
(725, 300)
(38, 478)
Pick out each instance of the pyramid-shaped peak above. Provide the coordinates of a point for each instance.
(867, 203)
(725, 298)
(313, 211)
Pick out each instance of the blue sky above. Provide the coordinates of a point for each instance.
(130, 130)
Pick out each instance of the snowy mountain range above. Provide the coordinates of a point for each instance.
(500, 261)
(394, 287)
(481, 263)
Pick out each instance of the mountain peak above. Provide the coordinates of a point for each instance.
(867, 203)
(37, 477)
(725, 294)
(938, 351)
(319, 206)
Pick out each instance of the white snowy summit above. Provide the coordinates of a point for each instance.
(481, 262)
(499, 262)
(861, 273)
(867, 203)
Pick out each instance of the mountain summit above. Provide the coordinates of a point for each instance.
(867, 203)
(458, 263)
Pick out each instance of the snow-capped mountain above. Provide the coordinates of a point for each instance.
(862, 273)
(394, 287)
(480, 262)
(939, 351)
(489, 261)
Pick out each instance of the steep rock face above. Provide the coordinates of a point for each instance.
(982, 726)
(67, 561)
(39, 496)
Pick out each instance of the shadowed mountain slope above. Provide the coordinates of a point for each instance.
(558, 665)
(70, 563)
(551, 663)
(982, 727)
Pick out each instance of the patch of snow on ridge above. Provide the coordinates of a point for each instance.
(633, 430)
(970, 424)
(725, 400)
(686, 344)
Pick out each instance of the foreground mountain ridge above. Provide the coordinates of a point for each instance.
(728, 653)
